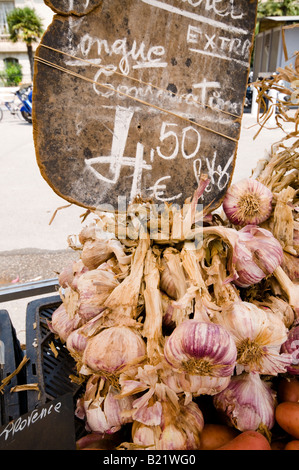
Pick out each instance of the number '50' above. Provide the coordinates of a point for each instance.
(178, 143)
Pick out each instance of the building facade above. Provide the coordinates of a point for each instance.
(275, 44)
(17, 52)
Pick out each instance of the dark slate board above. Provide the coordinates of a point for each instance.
(156, 101)
(48, 427)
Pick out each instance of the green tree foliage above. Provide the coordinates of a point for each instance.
(278, 8)
(25, 25)
(13, 74)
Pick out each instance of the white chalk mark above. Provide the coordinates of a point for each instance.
(86, 63)
(195, 16)
(143, 65)
(123, 117)
(117, 160)
(158, 190)
(137, 174)
(218, 56)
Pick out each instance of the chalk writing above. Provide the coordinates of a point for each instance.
(137, 53)
(195, 16)
(219, 7)
(24, 422)
(221, 47)
(117, 159)
(165, 134)
(158, 189)
(218, 176)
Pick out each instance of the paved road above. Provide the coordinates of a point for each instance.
(27, 241)
(28, 201)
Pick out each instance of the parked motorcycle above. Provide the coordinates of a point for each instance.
(25, 96)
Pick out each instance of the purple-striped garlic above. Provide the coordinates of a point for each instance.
(254, 252)
(248, 403)
(62, 324)
(103, 411)
(291, 346)
(256, 255)
(247, 202)
(113, 348)
(258, 337)
(201, 348)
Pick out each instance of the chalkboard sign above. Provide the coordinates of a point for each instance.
(49, 427)
(141, 97)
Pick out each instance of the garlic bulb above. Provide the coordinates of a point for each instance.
(94, 287)
(258, 337)
(113, 348)
(278, 307)
(248, 403)
(179, 429)
(70, 274)
(97, 250)
(78, 270)
(173, 280)
(88, 233)
(283, 220)
(256, 255)
(76, 343)
(66, 276)
(101, 408)
(168, 311)
(247, 202)
(201, 348)
(291, 346)
(62, 324)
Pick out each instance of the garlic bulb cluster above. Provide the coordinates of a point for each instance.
(157, 319)
(101, 408)
(248, 403)
(179, 429)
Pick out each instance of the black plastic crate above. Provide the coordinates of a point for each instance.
(12, 404)
(51, 373)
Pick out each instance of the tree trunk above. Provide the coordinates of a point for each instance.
(31, 61)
